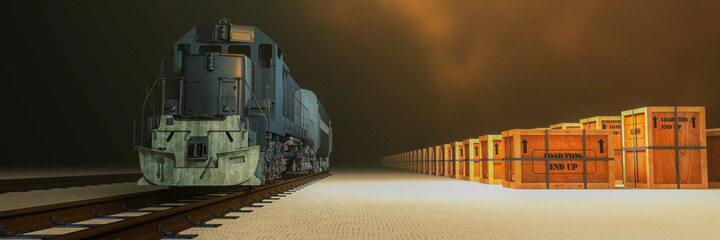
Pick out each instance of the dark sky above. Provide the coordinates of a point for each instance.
(394, 75)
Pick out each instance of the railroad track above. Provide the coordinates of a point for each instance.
(146, 215)
(26, 184)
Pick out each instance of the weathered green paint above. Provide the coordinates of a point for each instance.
(228, 163)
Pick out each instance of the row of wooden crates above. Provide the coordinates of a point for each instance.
(650, 147)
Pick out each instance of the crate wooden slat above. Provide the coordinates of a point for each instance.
(566, 126)
(575, 159)
(713, 157)
(613, 123)
(490, 162)
(665, 147)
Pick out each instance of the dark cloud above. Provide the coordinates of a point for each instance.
(395, 75)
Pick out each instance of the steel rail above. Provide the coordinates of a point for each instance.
(176, 219)
(26, 184)
(36, 218)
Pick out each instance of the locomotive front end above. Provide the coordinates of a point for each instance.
(201, 139)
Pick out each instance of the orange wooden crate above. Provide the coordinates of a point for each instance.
(416, 161)
(406, 161)
(565, 126)
(449, 160)
(613, 123)
(439, 160)
(665, 147)
(573, 159)
(471, 149)
(713, 157)
(403, 161)
(459, 156)
(431, 160)
(423, 159)
(490, 163)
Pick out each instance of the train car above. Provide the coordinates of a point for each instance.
(231, 114)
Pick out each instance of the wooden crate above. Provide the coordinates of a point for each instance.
(713, 157)
(613, 123)
(430, 160)
(416, 161)
(408, 159)
(471, 170)
(403, 161)
(449, 160)
(490, 163)
(426, 161)
(564, 159)
(421, 161)
(565, 126)
(421, 158)
(459, 155)
(665, 147)
(439, 160)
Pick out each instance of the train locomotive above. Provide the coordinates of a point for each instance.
(231, 114)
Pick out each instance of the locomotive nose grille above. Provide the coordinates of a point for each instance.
(197, 148)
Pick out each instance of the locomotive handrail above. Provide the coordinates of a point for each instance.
(141, 112)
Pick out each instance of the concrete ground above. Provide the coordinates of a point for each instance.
(389, 204)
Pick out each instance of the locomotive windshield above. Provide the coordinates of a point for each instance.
(239, 49)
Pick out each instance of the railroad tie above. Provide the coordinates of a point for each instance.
(202, 224)
(258, 201)
(174, 235)
(221, 216)
(134, 210)
(250, 205)
(14, 235)
(236, 209)
(105, 216)
(268, 197)
(59, 224)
